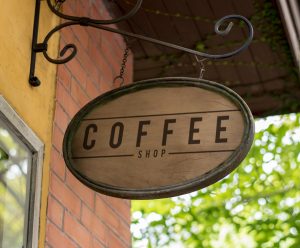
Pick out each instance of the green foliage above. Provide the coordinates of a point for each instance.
(267, 21)
(200, 46)
(258, 205)
(3, 155)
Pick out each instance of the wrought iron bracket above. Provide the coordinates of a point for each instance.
(101, 24)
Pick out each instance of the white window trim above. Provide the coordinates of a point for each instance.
(26, 135)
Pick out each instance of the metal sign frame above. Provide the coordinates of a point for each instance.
(153, 193)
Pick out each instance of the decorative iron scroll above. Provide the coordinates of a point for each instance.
(101, 24)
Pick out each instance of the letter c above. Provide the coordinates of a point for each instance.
(89, 145)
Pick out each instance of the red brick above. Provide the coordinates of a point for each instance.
(78, 93)
(92, 91)
(123, 232)
(78, 71)
(98, 57)
(65, 196)
(107, 215)
(115, 47)
(86, 195)
(91, 222)
(88, 221)
(56, 238)
(76, 231)
(82, 35)
(106, 85)
(113, 60)
(120, 206)
(92, 71)
(61, 118)
(97, 244)
(95, 36)
(55, 211)
(104, 14)
(83, 8)
(115, 242)
(96, 10)
(69, 7)
(64, 76)
(120, 41)
(65, 100)
(57, 138)
(67, 36)
(58, 164)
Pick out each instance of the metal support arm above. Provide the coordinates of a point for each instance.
(101, 24)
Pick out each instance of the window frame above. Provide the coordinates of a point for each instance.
(9, 116)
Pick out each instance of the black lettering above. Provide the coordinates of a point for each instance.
(220, 129)
(89, 145)
(140, 154)
(155, 153)
(163, 151)
(141, 132)
(147, 154)
(194, 130)
(113, 132)
(167, 130)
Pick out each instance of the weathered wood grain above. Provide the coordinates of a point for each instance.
(144, 139)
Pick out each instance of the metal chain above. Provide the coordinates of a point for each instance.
(123, 65)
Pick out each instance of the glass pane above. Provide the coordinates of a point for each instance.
(15, 159)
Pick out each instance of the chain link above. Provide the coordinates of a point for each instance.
(123, 65)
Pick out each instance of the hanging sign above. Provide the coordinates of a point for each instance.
(158, 138)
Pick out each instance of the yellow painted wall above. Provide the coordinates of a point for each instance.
(34, 105)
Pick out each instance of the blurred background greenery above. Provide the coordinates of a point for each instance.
(257, 205)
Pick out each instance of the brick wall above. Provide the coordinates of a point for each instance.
(76, 215)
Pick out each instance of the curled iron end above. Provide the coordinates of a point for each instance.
(34, 81)
(226, 30)
(69, 47)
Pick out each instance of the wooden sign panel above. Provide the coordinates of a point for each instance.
(158, 138)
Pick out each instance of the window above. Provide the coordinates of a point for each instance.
(20, 181)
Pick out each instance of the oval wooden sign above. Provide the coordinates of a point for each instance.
(158, 138)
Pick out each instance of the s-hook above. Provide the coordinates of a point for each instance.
(101, 24)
